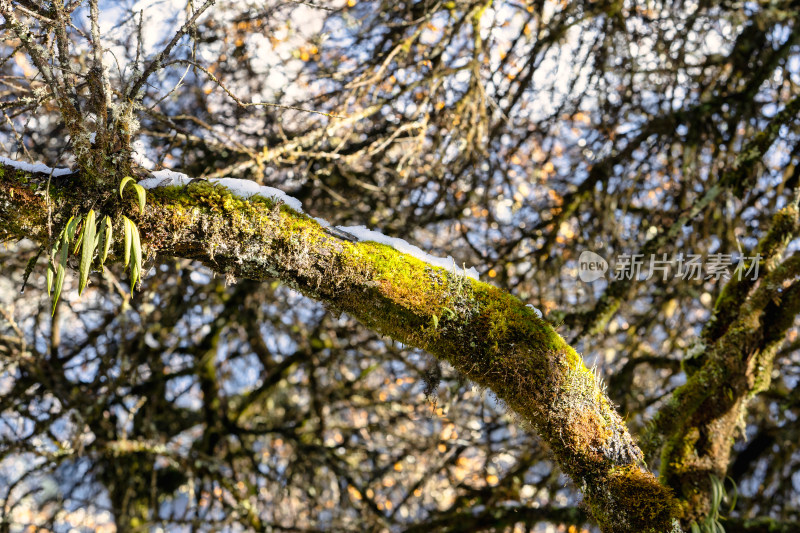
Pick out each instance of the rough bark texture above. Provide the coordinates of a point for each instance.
(488, 335)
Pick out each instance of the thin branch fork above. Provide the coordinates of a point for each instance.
(157, 63)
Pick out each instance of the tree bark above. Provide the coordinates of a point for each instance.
(487, 334)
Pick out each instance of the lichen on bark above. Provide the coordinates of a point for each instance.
(488, 335)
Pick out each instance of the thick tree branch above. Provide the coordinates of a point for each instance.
(696, 427)
(488, 335)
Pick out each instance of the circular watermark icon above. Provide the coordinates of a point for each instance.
(591, 267)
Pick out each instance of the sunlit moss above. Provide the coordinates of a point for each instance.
(488, 335)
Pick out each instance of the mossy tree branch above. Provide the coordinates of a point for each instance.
(696, 428)
(488, 335)
(738, 179)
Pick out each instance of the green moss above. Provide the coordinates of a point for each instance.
(770, 249)
(631, 487)
(489, 336)
(406, 279)
(604, 311)
(18, 188)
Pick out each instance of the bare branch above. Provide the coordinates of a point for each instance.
(157, 63)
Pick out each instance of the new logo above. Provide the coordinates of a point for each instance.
(591, 267)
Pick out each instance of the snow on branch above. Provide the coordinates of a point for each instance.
(35, 167)
(248, 188)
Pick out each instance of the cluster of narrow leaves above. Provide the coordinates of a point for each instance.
(133, 246)
(718, 494)
(88, 240)
(83, 234)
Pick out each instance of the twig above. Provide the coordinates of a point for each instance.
(249, 104)
(62, 43)
(156, 64)
(97, 53)
(13, 323)
(311, 4)
(19, 138)
(177, 86)
(36, 52)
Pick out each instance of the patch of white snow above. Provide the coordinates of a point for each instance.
(248, 189)
(138, 154)
(363, 234)
(35, 167)
(535, 310)
(241, 188)
(165, 178)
